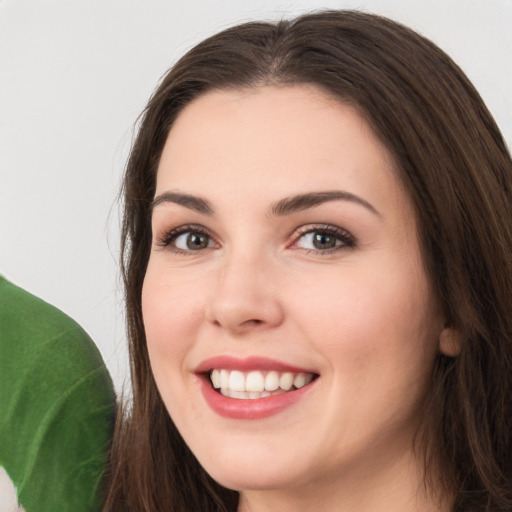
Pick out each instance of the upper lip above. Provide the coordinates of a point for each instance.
(247, 364)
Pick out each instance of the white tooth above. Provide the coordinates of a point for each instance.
(215, 378)
(224, 379)
(309, 378)
(286, 381)
(241, 395)
(300, 380)
(271, 381)
(237, 381)
(264, 394)
(224, 391)
(254, 394)
(255, 382)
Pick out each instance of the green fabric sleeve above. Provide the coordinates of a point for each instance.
(56, 406)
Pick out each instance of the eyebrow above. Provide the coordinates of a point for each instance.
(304, 201)
(282, 207)
(198, 204)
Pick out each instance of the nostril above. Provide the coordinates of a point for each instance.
(242, 311)
(255, 321)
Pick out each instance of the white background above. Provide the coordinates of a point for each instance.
(74, 75)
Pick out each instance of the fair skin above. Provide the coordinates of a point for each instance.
(331, 286)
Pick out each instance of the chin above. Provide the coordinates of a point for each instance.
(252, 477)
(258, 468)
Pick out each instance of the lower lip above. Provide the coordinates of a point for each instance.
(250, 409)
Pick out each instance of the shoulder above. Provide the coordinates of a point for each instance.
(56, 404)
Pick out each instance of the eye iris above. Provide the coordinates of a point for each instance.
(197, 241)
(324, 241)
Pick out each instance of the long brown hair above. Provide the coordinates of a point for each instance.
(458, 172)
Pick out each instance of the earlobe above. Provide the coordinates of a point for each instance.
(450, 342)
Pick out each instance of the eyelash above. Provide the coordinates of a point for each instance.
(167, 239)
(347, 240)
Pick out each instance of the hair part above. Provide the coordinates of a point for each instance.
(457, 170)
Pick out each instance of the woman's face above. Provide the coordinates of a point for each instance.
(285, 262)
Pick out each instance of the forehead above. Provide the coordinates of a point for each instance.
(264, 139)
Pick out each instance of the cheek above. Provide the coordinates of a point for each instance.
(375, 319)
(169, 311)
(170, 314)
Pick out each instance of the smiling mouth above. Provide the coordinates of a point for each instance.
(257, 384)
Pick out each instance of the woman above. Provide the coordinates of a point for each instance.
(316, 242)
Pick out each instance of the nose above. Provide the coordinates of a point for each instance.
(245, 297)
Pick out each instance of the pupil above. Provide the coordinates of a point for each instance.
(323, 241)
(197, 241)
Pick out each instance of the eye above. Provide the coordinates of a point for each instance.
(323, 239)
(192, 241)
(187, 239)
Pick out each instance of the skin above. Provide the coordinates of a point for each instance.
(361, 315)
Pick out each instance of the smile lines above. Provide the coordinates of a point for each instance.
(257, 384)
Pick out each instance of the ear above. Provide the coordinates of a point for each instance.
(450, 341)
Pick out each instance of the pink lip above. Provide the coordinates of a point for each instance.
(247, 364)
(255, 409)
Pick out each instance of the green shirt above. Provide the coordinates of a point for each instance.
(56, 406)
